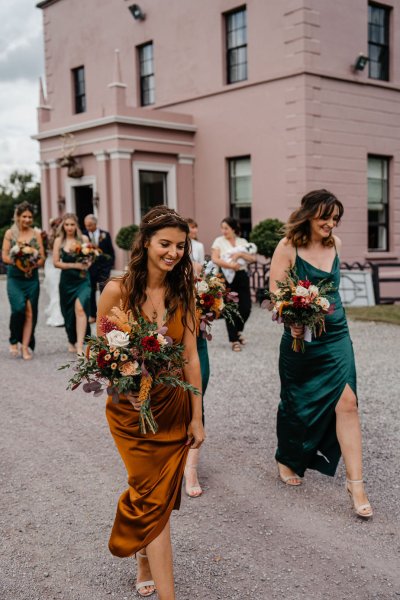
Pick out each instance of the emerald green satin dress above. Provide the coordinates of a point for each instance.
(202, 350)
(74, 283)
(20, 289)
(312, 384)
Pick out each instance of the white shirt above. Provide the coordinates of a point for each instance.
(226, 250)
(94, 236)
(197, 254)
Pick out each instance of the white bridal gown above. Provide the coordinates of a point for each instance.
(50, 284)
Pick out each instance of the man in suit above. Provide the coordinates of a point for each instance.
(101, 268)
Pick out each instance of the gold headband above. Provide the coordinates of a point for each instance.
(170, 214)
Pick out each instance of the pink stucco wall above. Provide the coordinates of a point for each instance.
(305, 117)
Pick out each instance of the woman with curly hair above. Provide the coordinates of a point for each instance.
(159, 284)
(318, 414)
(23, 279)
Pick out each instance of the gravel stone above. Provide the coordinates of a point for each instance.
(248, 536)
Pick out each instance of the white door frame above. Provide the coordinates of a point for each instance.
(71, 183)
(169, 169)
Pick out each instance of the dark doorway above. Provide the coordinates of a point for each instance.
(83, 202)
(153, 190)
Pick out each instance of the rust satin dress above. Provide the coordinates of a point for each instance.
(154, 462)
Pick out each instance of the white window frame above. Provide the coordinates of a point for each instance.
(70, 184)
(169, 169)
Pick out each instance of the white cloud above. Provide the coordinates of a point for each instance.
(21, 63)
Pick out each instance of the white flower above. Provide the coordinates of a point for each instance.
(202, 287)
(323, 302)
(118, 339)
(301, 291)
(161, 339)
(313, 291)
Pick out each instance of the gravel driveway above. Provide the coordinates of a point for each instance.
(248, 536)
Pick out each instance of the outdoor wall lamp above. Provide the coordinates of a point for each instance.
(137, 12)
(96, 201)
(361, 62)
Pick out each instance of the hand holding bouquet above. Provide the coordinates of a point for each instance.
(133, 355)
(300, 303)
(25, 257)
(213, 300)
(85, 252)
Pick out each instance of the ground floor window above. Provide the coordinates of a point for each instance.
(240, 192)
(152, 189)
(378, 203)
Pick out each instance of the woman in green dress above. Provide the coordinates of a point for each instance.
(22, 279)
(318, 414)
(75, 287)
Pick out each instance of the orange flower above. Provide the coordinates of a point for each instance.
(145, 386)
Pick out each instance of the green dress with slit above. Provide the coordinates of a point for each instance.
(20, 289)
(74, 283)
(202, 350)
(312, 384)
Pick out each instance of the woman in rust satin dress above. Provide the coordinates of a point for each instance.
(159, 282)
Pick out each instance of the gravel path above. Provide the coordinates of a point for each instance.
(248, 536)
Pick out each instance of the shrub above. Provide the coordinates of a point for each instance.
(266, 235)
(126, 236)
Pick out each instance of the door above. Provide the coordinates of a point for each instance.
(152, 189)
(83, 203)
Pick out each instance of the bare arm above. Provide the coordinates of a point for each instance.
(283, 259)
(110, 297)
(215, 257)
(338, 244)
(196, 434)
(5, 253)
(39, 240)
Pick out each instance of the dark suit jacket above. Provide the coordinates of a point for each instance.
(101, 268)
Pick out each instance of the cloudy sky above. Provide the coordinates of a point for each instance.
(21, 65)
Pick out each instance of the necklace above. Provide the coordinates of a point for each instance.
(154, 315)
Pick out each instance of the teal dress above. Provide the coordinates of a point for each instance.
(74, 283)
(20, 289)
(312, 384)
(202, 351)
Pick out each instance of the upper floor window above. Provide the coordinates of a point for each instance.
(240, 191)
(78, 76)
(236, 45)
(378, 203)
(146, 71)
(378, 41)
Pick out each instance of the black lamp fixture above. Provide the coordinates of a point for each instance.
(361, 62)
(137, 12)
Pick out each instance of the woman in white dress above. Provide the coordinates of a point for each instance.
(52, 281)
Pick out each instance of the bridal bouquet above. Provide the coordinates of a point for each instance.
(299, 302)
(85, 252)
(132, 355)
(213, 300)
(25, 257)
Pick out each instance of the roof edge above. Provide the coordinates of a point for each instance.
(45, 3)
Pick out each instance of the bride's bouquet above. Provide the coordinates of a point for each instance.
(213, 300)
(25, 257)
(300, 302)
(132, 355)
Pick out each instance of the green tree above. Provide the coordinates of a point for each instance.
(19, 187)
(266, 236)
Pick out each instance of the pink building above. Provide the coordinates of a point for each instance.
(218, 107)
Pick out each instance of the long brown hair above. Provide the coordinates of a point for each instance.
(61, 230)
(179, 282)
(316, 204)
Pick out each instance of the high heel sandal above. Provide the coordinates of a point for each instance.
(357, 509)
(26, 353)
(288, 478)
(142, 584)
(193, 491)
(14, 350)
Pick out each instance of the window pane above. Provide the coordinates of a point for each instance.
(236, 43)
(153, 190)
(378, 203)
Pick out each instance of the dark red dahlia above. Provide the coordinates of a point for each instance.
(100, 359)
(299, 302)
(305, 283)
(150, 344)
(208, 300)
